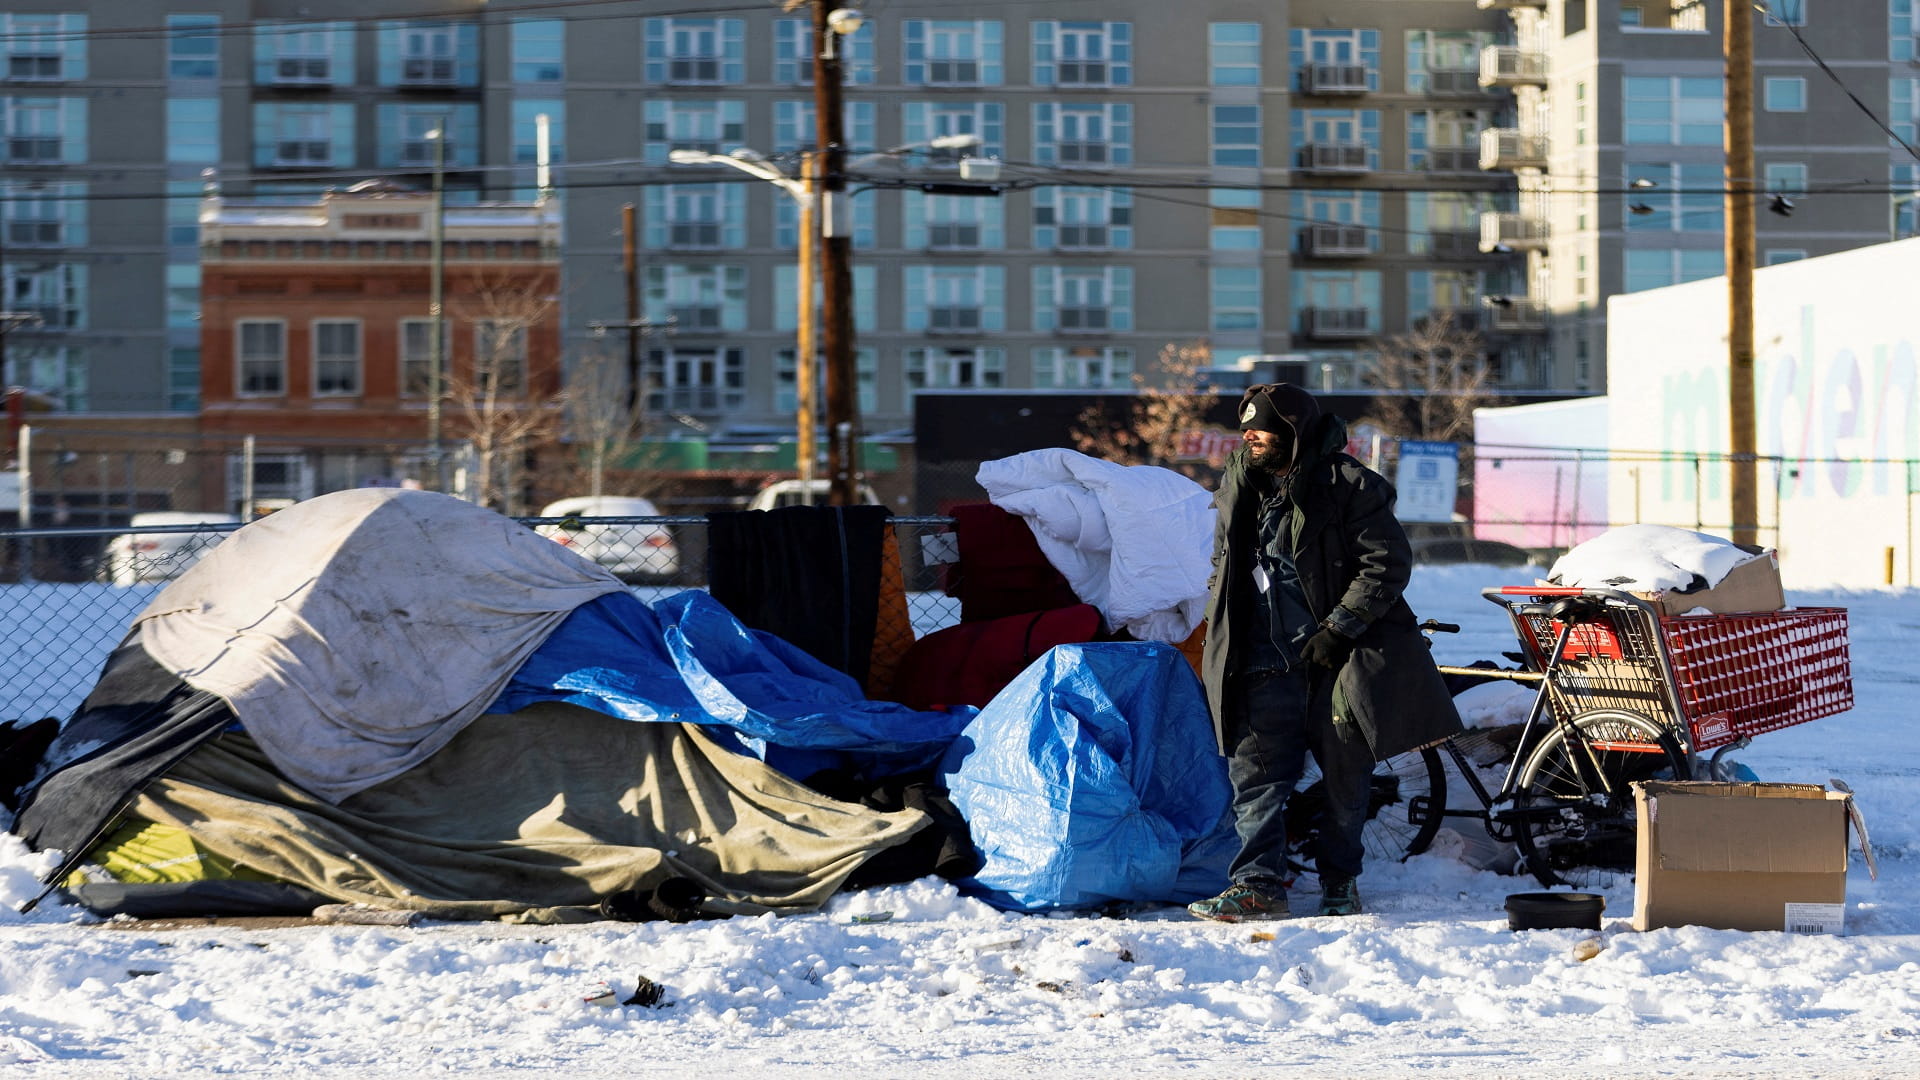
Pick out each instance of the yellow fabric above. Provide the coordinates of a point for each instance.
(141, 852)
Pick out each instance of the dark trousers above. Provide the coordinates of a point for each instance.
(1279, 718)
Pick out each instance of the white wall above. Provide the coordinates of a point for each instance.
(1835, 397)
(1532, 485)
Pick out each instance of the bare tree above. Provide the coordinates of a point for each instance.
(1429, 380)
(605, 418)
(1165, 423)
(505, 407)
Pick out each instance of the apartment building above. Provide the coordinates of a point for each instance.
(1618, 147)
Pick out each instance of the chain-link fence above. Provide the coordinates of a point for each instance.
(68, 595)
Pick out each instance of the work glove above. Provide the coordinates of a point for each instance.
(1328, 648)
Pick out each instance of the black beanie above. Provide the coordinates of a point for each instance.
(1259, 413)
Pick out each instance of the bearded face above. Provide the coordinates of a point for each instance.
(1267, 450)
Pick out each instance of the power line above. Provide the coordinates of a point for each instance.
(1844, 88)
(488, 12)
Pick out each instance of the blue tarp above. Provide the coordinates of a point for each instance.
(687, 659)
(1094, 778)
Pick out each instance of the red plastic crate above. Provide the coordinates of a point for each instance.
(1742, 674)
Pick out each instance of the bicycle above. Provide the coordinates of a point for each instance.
(1623, 693)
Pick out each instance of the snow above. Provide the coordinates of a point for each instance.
(1647, 558)
(1430, 980)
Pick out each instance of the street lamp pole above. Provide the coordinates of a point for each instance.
(836, 247)
(436, 287)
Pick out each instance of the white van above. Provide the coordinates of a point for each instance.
(138, 558)
(801, 493)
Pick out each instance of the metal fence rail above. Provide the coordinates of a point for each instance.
(68, 595)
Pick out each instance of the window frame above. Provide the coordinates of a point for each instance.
(245, 361)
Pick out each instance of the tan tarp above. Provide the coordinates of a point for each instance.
(550, 807)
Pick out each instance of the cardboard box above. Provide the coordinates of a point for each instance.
(1753, 585)
(1736, 856)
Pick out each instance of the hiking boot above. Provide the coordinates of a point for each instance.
(1339, 896)
(1241, 903)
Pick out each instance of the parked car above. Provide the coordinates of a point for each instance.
(634, 552)
(139, 558)
(801, 493)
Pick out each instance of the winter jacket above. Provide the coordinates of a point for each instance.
(1354, 562)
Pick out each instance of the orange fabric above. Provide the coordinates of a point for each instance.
(1195, 645)
(893, 627)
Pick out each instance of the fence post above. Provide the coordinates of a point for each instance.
(26, 502)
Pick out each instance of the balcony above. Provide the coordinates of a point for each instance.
(1510, 66)
(693, 235)
(1510, 150)
(33, 67)
(1336, 324)
(1081, 320)
(953, 73)
(1453, 244)
(953, 320)
(33, 150)
(693, 70)
(303, 153)
(1455, 81)
(35, 233)
(1083, 154)
(1334, 79)
(427, 72)
(1514, 314)
(1519, 232)
(1082, 238)
(1335, 241)
(49, 316)
(1347, 158)
(952, 237)
(703, 317)
(1453, 159)
(1080, 73)
(298, 71)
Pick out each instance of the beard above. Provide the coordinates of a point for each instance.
(1276, 459)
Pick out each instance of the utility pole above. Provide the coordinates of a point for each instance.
(436, 289)
(630, 259)
(836, 247)
(1743, 487)
(806, 341)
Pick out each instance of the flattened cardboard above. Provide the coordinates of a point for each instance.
(1753, 585)
(1733, 856)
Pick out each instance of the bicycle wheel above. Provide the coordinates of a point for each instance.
(1565, 827)
(1403, 810)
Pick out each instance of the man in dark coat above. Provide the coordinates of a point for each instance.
(1309, 646)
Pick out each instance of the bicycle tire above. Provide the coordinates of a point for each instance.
(1589, 832)
(1391, 832)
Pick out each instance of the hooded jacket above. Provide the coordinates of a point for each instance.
(1354, 563)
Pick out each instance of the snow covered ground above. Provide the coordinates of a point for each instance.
(1429, 981)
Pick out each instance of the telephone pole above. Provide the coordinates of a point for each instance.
(1743, 487)
(836, 247)
(806, 352)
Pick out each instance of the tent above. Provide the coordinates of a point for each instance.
(395, 698)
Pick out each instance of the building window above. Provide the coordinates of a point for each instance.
(1786, 178)
(698, 52)
(43, 215)
(955, 369)
(1432, 294)
(1083, 136)
(537, 50)
(526, 130)
(1785, 94)
(183, 379)
(1336, 140)
(45, 131)
(1776, 256)
(1233, 298)
(1083, 300)
(1338, 60)
(1687, 111)
(696, 217)
(1446, 140)
(1631, 17)
(786, 223)
(794, 129)
(953, 223)
(1337, 303)
(952, 52)
(416, 355)
(786, 379)
(1233, 54)
(1089, 54)
(193, 130)
(702, 300)
(1235, 135)
(302, 135)
(1653, 268)
(1785, 12)
(1445, 61)
(1234, 220)
(407, 139)
(1901, 28)
(1082, 219)
(336, 357)
(262, 357)
(1683, 198)
(786, 299)
(713, 127)
(432, 54)
(1580, 114)
(793, 53)
(183, 296)
(44, 48)
(193, 49)
(303, 54)
(500, 357)
(955, 299)
(1082, 367)
(922, 121)
(693, 380)
(1350, 220)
